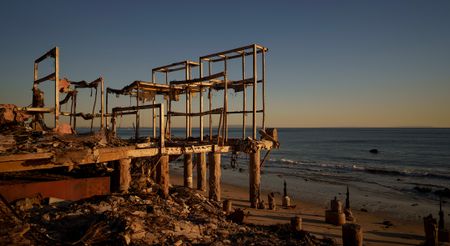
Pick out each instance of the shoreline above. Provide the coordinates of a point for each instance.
(402, 232)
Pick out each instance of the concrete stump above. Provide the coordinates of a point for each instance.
(272, 203)
(431, 231)
(352, 235)
(188, 171)
(296, 223)
(227, 206)
(334, 218)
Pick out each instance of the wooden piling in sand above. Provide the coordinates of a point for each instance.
(124, 174)
(296, 223)
(255, 178)
(188, 170)
(214, 175)
(431, 231)
(201, 172)
(164, 178)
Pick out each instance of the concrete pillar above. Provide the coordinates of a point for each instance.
(164, 177)
(214, 175)
(201, 172)
(255, 178)
(188, 170)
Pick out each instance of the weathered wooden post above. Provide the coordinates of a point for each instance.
(431, 230)
(227, 206)
(286, 203)
(347, 211)
(201, 172)
(164, 177)
(255, 178)
(214, 175)
(124, 175)
(443, 234)
(296, 223)
(352, 235)
(188, 170)
(271, 199)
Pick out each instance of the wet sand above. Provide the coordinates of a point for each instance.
(403, 232)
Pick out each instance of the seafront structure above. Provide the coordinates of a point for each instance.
(213, 78)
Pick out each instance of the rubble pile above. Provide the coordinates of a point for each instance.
(21, 139)
(185, 218)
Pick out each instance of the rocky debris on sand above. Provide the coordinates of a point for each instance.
(185, 218)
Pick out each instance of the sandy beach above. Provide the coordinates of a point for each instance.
(402, 232)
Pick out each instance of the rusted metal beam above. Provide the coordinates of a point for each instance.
(68, 189)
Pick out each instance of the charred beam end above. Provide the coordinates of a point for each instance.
(236, 56)
(203, 79)
(50, 53)
(120, 109)
(169, 68)
(214, 111)
(48, 77)
(237, 50)
(84, 84)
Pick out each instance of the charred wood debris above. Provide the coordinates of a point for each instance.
(140, 217)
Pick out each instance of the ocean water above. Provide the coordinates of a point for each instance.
(411, 167)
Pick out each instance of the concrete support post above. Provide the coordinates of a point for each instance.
(188, 170)
(124, 175)
(214, 175)
(255, 178)
(201, 172)
(164, 177)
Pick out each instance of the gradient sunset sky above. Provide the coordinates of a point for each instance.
(330, 63)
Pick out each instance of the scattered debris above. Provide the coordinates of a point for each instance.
(186, 217)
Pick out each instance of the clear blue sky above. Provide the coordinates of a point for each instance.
(331, 63)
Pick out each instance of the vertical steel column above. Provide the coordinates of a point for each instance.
(187, 102)
(225, 98)
(102, 119)
(255, 81)
(106, 116)
(210, 105)
(244, 100)
(75, 111)
(153, 109)
(169, 102)
(188, 68)
(263, 88)
(136, 134)
(201, 101)
(162, 132)
(37, 117)
(56, 87)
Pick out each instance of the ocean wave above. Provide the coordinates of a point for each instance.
(311, 165)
